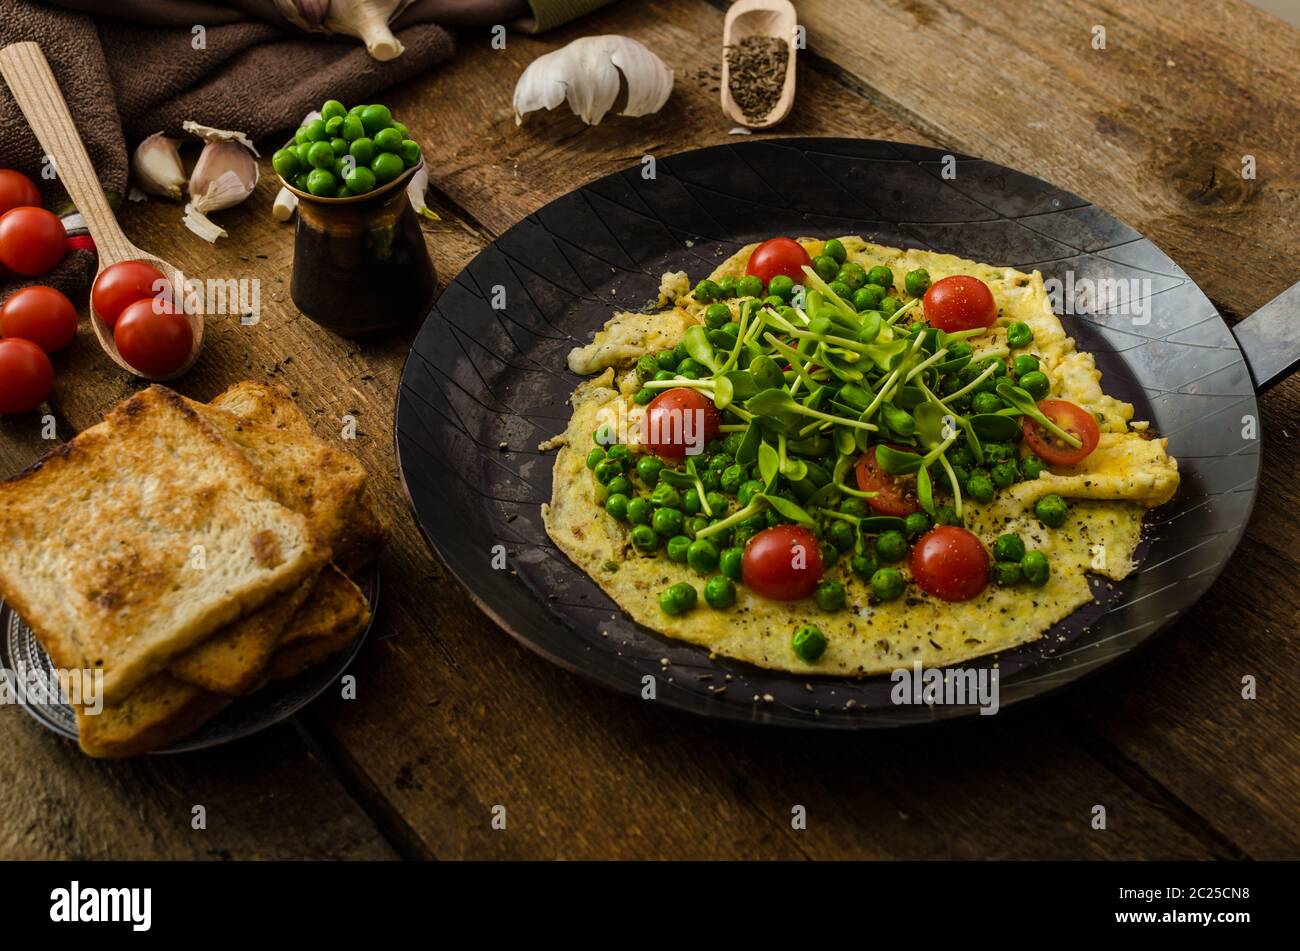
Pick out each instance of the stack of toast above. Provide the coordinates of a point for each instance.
(192, 552)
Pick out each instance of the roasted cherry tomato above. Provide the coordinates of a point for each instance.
(783, 563)
(32, 241)
(679, 420)
(778, 256)
(123, 284)
(1075, 420)
(155, 344)
(17, 190)
(950, 563)
(895, 495)
(39, 314)
(959, 302)
(26, 375)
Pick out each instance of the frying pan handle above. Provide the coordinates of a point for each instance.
(1270, 339)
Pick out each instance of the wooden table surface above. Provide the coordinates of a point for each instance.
(453, 718)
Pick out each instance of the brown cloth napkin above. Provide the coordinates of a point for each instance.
(144, 70)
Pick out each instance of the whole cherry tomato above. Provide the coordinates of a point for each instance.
(122, 284)
(155, 344)
(17, 190)
(783, 563)
(1075, 420)
(895, 495)
(959, 302)
(42, 315)
(679, 420)
(32, 241)
(778, 256)
(950, 563)
(26, 375)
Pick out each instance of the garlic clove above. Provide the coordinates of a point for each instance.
(415, 189)
(225, 175)
(157, 166)
(286, 202)
(586, 73)
(368, 20)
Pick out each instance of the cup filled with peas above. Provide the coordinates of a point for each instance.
(360, 262)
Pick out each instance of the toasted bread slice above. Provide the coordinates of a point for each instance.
(157, 712)
(272, 406)
(140, 538)
(331, 619)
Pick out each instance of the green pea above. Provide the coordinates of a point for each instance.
(285, 163)
(826, 267)
(689, 365)
(667, 521)
(719, 592)
(1025, 363)
(732, 478)
(644, 538)
(1035, 568)
(985, 403)
(595, 457)
(980, 487)
(962, 475)
(678, 598)
(727, 286)
(677, 548)
(750, 286)
(706, 291)
(616, 505)
(387, 140)
(841, 290)
(946, 515)
(730, 562)
(1009, 547)
(666, 496)
(999, 451)
(698, 523)
(834, 248)
(717, 502)
(1031, 467)
(1007, 572)
(864, 566)
(643, 396)
(363, 150)
(808, 643)
(829, 595)
(321, 181)
(667, 360)
(917, 282)
(868, 298)
(333, 125)
(320, 155)
(339, 147)
(881, 275)
(960, 455)
(300, 136)
(747, 491)
(855, 507)
(1035, 384)
(406, 133)
(742, 535)
(638, 511)
(303, 151)
(887, 584)
(841, 534)
(1052, 511)
(607, 470)
(376, 117)
(781, 286)
(409, 152)
(619, 484)
(891, 546)
(351, 128)
(691, 502)
(620, 452)
(360, 179)
(1004, 474)
(717, 315)
(646, 367)
(850, 276)
(918, 523)
(315, 131)
(333, 108)
(1019, 335)
(959, 350)
(356, 110)
(711, 479)
(703, 555)
(773, 301)
(386, 167)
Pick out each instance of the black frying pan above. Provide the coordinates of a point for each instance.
(483, 386)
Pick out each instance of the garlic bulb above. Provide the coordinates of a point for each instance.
(225, 175)
(157, 166)
(586, 73)
(366, 19)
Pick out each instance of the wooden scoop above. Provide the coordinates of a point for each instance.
(759, 18)
(28, 75)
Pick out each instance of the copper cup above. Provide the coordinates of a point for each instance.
(359, 263)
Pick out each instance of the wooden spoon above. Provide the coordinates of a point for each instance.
(759, 18)
(28, 75)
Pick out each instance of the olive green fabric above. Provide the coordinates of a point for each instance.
(551, 13)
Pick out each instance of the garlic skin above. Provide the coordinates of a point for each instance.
(586, 73)
(157, 166)
(209, 134)
(225, 175)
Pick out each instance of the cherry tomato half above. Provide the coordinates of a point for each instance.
(17, 190)
(122, 284)
(42, 315)
(155, 344)
(895, 495)
(778, 256)
(783, 563)
(959, 302)
(950, 563)
(32, 241)
(1075, 420)
(679, 420)
(26, 375)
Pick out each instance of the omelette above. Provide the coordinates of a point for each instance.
(872, 611)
